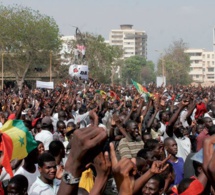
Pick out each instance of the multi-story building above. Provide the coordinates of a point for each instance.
(202, 65)
(133, 42)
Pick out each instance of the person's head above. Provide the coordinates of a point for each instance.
(132, 130)
(164, 116)
(47, 123)
(211, 130)
(208, 122)
(142, 165)
(57, 149)
(146, 136)
(47, 167)
(212, 108)
(154, 146)
(40, 147)
(82, 109)
(197, 167)
(32, 157)
(62, 115)
(199, 128)
(178, 128)
(18, 185)
(171, 146)
(147, 155)
(61, 126)
(154, 186)
(156, 124)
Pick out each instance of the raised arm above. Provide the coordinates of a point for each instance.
(85, 146)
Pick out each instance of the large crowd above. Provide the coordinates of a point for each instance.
(96, 139)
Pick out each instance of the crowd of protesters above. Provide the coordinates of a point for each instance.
(99, 139)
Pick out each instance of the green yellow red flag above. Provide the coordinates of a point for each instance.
(16, 142)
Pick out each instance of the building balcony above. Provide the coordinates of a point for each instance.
(195, 65)
(196, 72)
(195, 57)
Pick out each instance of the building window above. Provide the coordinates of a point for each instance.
(210, 69)
(212, 62)
(208, 63)
(212, 55)
(197, 76)
(208, 55)
(203, 56)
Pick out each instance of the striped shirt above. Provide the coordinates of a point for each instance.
(129, 149)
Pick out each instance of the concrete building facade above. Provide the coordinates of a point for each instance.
(133, 42)
(202, 65)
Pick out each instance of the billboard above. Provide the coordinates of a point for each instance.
(80, 71)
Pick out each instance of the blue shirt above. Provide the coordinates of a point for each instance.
(178, 167)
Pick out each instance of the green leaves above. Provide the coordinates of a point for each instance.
(176, 64)
(27, 37)
(138, 68)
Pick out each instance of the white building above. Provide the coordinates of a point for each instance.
(202, 65)
(133, 42)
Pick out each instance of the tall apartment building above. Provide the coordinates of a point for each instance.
(133, 42)
(202, 65)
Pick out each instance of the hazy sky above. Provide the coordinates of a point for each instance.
(164, 20)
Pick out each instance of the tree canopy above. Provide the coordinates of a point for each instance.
(138, 69)
(26, 39)
(176, 64)
(102, 59)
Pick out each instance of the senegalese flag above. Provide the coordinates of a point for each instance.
(139, 87)
(16, 142)
(142, 90)
(101, 92)
(114, 96)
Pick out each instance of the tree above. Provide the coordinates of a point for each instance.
(26, 39)
(138, 69)
(176, 64)
(102, 59)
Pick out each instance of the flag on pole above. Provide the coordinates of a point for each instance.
(16, 142)
(142, 90)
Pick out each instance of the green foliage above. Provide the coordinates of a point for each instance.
(100, 57)
(176, 64)
(26, 38)
(138, 69)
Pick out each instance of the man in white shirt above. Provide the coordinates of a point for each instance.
(45, 135)
(46, 184)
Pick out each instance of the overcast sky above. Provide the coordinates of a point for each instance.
(164, 21)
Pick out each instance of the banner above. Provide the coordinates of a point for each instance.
(80, 71)
(161, 80)
(46, 85)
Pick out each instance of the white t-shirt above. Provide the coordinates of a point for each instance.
(41, 188)
(208, 115)
(184, 146)
(30, 176)
(46, 137)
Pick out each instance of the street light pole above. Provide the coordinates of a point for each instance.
(162, 67)
(50, 66)
(162, 64)
(2, 70)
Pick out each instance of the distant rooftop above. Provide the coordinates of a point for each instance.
(126, 26)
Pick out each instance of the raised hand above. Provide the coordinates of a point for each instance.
(159, 166)
(123, 172)
(102, 164)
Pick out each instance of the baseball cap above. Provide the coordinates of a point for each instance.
(46, 121)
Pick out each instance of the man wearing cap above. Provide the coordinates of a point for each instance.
(45, 135)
